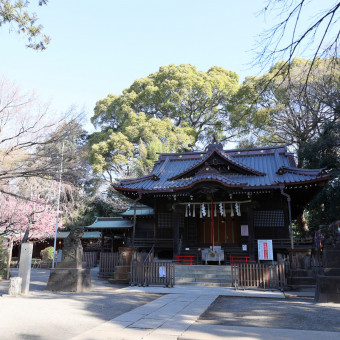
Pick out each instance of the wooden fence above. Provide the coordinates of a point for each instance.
(107, 263)
(255, 275)
(152, 273)
(90, 257)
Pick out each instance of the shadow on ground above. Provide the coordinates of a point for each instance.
(301, 314)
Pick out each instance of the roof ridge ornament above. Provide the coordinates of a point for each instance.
(214, 145)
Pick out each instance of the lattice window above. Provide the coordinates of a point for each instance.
(269, 218)
(164, 220)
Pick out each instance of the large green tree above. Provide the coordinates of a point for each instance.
(185, 95)
(132, 149)
(324, 151)
(284, 111)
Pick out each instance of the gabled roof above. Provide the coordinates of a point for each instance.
(251, 168)
(86, 235)
(141, 210)
(239, 167)
(110, 223)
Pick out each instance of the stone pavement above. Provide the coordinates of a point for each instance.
(174, 316)
(131, 313)
(165, 318)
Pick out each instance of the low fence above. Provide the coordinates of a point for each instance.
(255, 275)
(90, 257)
(107, 263)
(152, 273)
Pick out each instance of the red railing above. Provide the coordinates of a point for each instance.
(186, 260)
(239, 259)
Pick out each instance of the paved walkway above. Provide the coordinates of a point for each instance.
(151, 313)
(174, 316)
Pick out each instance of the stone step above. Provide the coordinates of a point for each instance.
(211, 269)
(206, 276)
(119, 281)
(301, 287)
(188, 280)
(202, 272)
(301, 273)
(205, 284)
(302, 280)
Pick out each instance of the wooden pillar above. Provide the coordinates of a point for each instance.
(102, 243)
(175, 230)
(251, 240)
(155, 219)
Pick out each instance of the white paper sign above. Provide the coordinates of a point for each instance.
(244, 230)
(59, 255)
(162, 271)
(244, 247)
(265, 249)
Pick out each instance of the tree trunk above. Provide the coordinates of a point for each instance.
(302, 223)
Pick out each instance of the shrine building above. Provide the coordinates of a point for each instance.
(224, 199)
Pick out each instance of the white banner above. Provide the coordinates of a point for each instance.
(265, 249)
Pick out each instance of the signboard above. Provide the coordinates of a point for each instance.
(162, 271)
(59, 255)
(244, 230)
(265, 249)
(244, 247)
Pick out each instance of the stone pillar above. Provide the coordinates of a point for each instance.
(25, 266)
(15, 286)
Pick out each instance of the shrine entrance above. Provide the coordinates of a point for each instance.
(226, 230)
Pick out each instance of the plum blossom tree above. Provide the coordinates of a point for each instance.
(22, 220)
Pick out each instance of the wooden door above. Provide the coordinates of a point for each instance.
(226, 230)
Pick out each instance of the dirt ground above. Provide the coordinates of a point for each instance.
(302, 314)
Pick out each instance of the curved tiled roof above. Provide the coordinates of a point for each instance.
(258, 168)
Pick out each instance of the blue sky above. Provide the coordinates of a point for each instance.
(101, 47)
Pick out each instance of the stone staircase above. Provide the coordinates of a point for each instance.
(203, 275)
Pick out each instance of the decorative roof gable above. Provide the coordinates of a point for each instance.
(217, 162)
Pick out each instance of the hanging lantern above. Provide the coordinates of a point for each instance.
(224, 212)
(215, 211)
(186, 211)
(208, 210)
(231, 210)
(193, 210)
(189, 213)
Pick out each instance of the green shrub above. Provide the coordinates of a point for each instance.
(47, 254)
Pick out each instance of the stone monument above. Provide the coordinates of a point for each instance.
(328, 281)
(25, 266)
(71, 274)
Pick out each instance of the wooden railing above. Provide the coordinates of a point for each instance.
(153, 273)
(185, 259)
(90, 257)
(107, 263)
(255, 275)
(239, 259)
